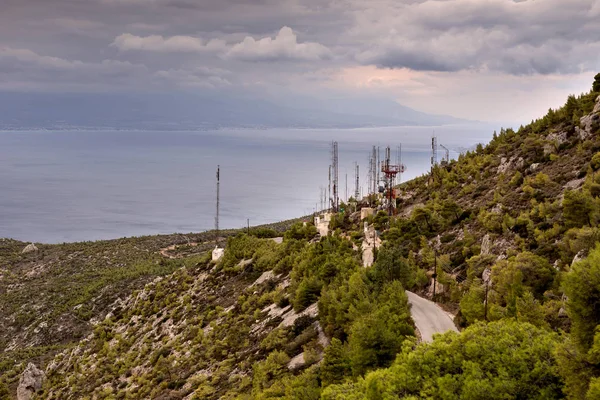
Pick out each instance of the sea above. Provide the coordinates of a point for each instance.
(67, 186)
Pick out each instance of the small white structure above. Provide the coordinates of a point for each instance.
(322, 223)
(217, 253)
(366, 212)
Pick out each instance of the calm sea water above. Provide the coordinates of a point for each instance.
(74, 186)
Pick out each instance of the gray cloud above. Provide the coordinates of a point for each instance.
(284, 46)
(29, 69)
(526, 37)
(171, 44)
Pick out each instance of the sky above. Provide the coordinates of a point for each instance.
(489, 60)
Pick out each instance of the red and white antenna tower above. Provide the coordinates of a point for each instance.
(390, 171)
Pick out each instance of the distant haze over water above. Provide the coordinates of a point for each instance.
(88, 185)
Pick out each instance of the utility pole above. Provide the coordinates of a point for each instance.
(487, 275)
(248, 224)
(486, 302)
(434, 272)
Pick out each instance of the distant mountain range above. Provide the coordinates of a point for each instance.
(184, 111)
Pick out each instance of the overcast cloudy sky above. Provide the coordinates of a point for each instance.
(479, 59)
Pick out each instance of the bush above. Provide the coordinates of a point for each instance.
(596, 84)
(376, 337)
(500, 360)
(308, 292)
(390, 265)
(336, 365)
(578, 209)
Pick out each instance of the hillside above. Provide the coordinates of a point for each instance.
(507, 233)
(51, 296)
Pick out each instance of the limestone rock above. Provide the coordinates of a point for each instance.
(520, 163)
(217, 253)
(533, 167)
(265, 276)
(486, 245)
(574, 184)
(558, 137)
(297, 362)
(29, 248)
(578, 257)
(291, 316)
(487, 275)
(31, 381)
(504, 165)
(589, 122)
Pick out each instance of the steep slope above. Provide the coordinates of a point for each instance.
(241, 327)
(507, 235)
(52, 295)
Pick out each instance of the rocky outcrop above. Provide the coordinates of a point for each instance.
(554, 141)
(558, 137)
(31, 381)
(217, 253)
(507, 164)
(589, 123)
(578, 257)
(30, 248)
(486, 245)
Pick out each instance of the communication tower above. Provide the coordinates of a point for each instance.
(390, 171)
(434, 146)
(218, 200)
(335, 176)
(357, 181)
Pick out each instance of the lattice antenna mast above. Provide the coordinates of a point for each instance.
(447, 158)
(370, 176)
(434, 146)
(374, 181)
(379, 162)
(346, 187)
(218, 201)
(390, 171)
(357, 179)
(335, 171)
(329, 189)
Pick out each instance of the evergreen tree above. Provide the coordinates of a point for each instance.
(596, 85)
(582, 287)
(336, 365)
(500, 360)
(578, 209)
